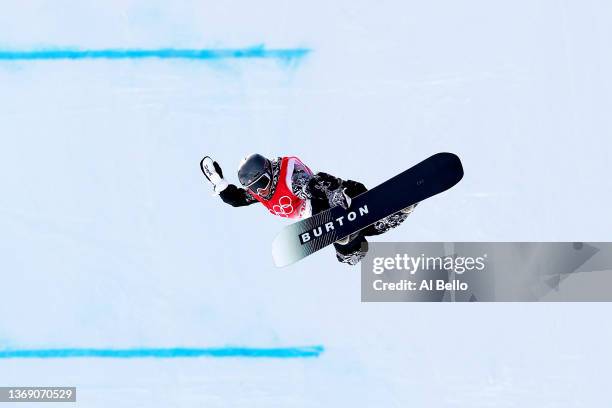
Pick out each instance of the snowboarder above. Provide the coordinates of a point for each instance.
(288, 188)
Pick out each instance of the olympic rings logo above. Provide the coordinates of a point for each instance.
(284, 208)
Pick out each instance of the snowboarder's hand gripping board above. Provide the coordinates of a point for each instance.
(428, 178)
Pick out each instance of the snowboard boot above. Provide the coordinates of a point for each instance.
(353, 251)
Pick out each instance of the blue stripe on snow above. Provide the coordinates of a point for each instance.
(243, 352)
(162, 53)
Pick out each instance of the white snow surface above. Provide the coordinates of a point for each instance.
(110, 236)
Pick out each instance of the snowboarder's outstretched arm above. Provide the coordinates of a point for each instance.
(328, 190)
(236, 196)
(229, 193)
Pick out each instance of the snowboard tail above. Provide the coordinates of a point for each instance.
(432, 176)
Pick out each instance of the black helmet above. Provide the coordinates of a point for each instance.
(252, 169)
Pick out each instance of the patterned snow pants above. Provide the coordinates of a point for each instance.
(356, 248)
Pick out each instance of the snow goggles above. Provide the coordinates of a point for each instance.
(261, 183)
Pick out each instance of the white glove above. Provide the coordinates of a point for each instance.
(213, 173)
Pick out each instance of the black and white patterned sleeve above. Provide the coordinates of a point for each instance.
(299, 183)
(324, 186)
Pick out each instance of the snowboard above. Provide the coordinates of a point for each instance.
(432, 176)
